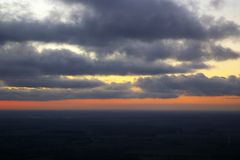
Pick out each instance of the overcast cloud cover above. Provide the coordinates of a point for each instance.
(124, 37)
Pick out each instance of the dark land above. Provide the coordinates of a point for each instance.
(119, 135)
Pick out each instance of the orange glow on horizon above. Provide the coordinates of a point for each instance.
(196, 103)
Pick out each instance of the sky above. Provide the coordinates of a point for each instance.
(128, 54)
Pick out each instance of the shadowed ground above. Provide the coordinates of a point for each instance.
(119, 135)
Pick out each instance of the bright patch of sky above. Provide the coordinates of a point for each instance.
(228, 9)
(40, 10)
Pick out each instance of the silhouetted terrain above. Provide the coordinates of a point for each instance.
(119, 135)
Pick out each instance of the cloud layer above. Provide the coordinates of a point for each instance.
(196, 85)
(24, 60)
(109, 21)
(154, 87)
(158, 38)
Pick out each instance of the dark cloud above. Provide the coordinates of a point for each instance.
(153, 87)
(222, 28)
(203, 51)
(129, 37)
(52, 82)
(146, 20)
(168, 49)
(23, 60)
(20, 31)
(110, 21)
(196, 85)
(108, 91)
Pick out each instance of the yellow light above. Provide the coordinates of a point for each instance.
(136, 89)
(223, 69)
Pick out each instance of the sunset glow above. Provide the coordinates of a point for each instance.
(182, 103)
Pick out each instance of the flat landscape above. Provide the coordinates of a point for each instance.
(119, 135)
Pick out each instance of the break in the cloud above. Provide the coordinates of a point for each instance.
(124, 37)
(154, 87)
(138, 59)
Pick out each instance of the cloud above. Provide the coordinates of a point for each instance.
(125, 37)
(52, 82)
(195, 85)
(189, 50)
(152, 87)
(2, 84)
(203, 51)
(146, 20)
(24, 60)
(217, 4)
(108, 91)
(109, 21)
(222, 28)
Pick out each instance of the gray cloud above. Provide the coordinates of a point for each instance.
(23, 60)
(168, 49)
(2, 84)
(129, 37)
(110, 21)
(52, 82)
(108, 91)
(217, 4)
(153, 87)
(196, 85)
(203, 51)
